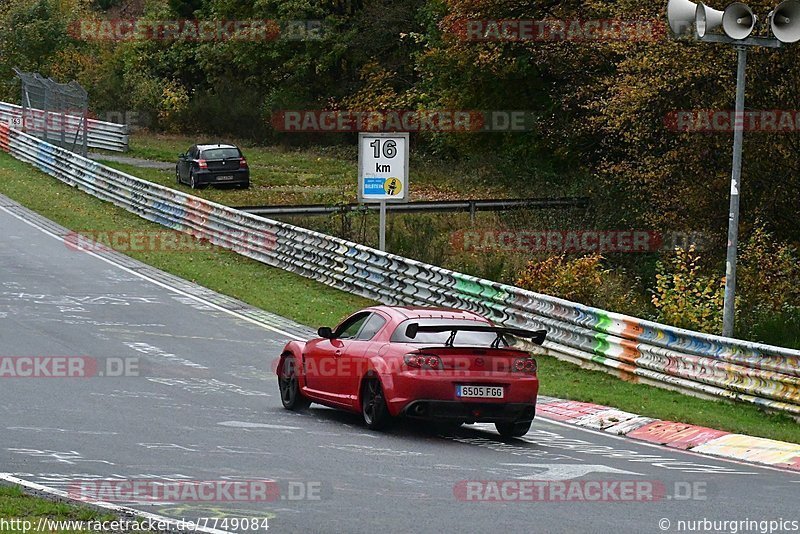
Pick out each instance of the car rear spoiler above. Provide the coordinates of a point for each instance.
(536, 336)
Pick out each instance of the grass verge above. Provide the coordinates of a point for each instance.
(319, 175)
(25, 513)
(311, 303)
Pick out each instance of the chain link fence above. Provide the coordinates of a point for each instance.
(55, 112)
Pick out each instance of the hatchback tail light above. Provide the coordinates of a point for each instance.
(423, 361)
(202, 164)
(525, 365)
(242, 163)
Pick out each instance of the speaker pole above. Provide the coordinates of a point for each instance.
(729, 306)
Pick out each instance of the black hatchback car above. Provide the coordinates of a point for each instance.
(218, 164)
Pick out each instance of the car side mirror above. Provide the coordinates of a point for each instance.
(181, 156)
(325, 332)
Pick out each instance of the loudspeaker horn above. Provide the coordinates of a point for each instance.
(785, 21)
(681, 14)
(738, 21)
(707, 19)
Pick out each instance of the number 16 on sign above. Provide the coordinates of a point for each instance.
(382, 172)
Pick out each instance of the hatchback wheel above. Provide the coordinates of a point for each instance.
(291, 396)
(513, 430)
(373, 405)
(192, 181)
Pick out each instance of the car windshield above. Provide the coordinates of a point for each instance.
(462, 339)
(220, 153)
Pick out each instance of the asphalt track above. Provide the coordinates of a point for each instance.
(206, 408)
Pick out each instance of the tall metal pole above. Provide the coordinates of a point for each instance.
(382, 230)
(729, 308)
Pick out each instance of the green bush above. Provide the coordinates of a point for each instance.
(777, 328)
(584, 280)
(768, 307)
(685, 297)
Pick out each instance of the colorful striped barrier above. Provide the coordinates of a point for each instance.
(636, 349)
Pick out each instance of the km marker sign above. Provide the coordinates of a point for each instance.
(383, 172)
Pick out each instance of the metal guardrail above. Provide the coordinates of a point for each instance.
(101, 134)
(669, 357)
(470, 206)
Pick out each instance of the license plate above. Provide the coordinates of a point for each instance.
(480, 392)
(226, 177)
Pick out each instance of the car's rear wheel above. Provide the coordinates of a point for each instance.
(513, 430)
(193, 181)
(291, 396)
(373, 405)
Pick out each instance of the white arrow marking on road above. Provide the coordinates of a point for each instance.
(567, 471)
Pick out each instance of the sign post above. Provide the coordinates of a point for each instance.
(382, 172)
(382, 227)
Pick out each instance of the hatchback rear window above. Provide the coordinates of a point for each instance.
(462, 339)
(221, 153)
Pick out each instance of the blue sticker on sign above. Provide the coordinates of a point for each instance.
(374, 186)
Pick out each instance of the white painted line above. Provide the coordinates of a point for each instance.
(114, 508)
(160, 284)
(567, 471)
(245, 424)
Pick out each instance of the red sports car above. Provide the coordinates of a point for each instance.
(437, 364)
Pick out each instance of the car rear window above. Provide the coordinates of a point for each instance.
(462, 339)
(220, 153)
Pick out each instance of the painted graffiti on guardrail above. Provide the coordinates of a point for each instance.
(642, 350)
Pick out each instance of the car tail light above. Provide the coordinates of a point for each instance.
(422, 361)
(242, 163)
(525, 365)
(202, 163)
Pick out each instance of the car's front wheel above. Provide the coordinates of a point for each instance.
(177, 175)
(291, 396)
(373, 405)
(513, 430)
